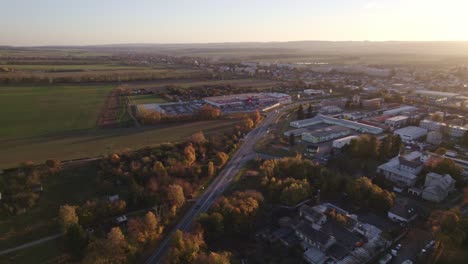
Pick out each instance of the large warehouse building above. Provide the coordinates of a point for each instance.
(319, 119)
(234, 100)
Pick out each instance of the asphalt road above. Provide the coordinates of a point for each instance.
(244, 153)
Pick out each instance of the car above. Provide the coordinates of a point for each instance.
(394, 252)
(398, 247)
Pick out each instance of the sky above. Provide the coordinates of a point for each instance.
(91, 22)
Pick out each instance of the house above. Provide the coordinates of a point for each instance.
(312, 215)
(372, 103)
(313, 238)
(402, 212)
(402, 170)
(315, 256)
(437, 187)
(113, 198)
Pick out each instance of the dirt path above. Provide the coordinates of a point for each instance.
(30, 244)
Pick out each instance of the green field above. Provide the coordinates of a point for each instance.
(73, 185)
(243, 83)
(40, 110)
(146, 99)
(80, 67)
(95, 142)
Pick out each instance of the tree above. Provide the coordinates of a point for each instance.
(175, 195)
(256, 117)
(214, 258)
(208, 112)
(76, 240)
(198, 138)
(300, 113)
(53, 165)
(447, 227)
(67, 216)
(210, 171)
(292, 139)
(221, 159)
(190, 156)
(248, 123)
(184, 247)
(213, 225)
(447, 166)
(441, 151)
(437, 118)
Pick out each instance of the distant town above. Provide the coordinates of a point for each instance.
(119, 155)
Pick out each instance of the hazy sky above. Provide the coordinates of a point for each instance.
(82, 22)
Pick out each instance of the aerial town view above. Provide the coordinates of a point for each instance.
(243, 132)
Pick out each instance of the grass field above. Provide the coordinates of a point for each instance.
(40, 110)
(95, 142)
(81, 67)
(73, 185)
(247, 82)
(146, 99)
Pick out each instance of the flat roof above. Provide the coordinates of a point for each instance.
(398, 118)
(244, 96)
(411, 130)
(436, 93)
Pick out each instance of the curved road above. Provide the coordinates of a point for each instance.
(244, 153)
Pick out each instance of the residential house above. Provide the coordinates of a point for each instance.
(402, 170)
(437, 187)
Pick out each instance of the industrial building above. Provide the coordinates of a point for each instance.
(399, 110)
(453, 131)
(372, 103)
(325, 134)
(339, 143)
(234, 100)
(397, 121)
(320, 119)
(410, 133)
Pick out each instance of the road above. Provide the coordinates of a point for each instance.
(244, 153)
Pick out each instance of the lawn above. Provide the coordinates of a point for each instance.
(95, 142)
(73, 185)
(47, 252)
(40, 110)
(146, 99)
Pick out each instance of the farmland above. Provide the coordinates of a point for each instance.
(94, 142)
(40, 110)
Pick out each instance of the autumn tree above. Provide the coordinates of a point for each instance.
(310, 111)
(175, 195)
(210, 171)
(214, 258)
(446, 226)
(113, 249)
(197, 138)
(190, 155)
(256, 117)
(208, 112)
(248, 123)
(185, 247)
(67, 216)
(221, 159)
(447, 166)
